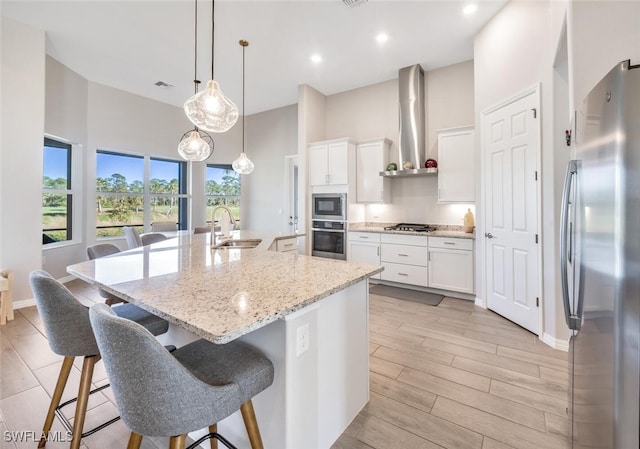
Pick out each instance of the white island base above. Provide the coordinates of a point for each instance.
(316, 392)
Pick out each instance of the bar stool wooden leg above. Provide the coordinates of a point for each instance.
(177, 442)
(83, 399)
(249, 417)
(67, 364)
(135, 439)
(213, 428)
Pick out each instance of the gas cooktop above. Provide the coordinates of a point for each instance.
(412, 227)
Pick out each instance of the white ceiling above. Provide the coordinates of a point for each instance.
(132, 44)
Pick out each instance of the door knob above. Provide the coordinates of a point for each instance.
(488, 235)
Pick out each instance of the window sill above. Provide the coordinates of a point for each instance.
(58, 245)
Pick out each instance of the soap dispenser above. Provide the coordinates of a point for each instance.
(469, 221)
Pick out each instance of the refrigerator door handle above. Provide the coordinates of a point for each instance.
(573, 321)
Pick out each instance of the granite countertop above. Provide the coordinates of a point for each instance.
(441, 230)
(220, 294)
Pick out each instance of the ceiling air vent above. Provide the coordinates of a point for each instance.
(352, 3)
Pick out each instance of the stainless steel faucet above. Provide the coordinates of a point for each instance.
(232, 220)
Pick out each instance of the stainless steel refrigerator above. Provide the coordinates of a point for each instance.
(600, 260)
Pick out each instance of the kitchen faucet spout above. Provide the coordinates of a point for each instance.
(224, 225)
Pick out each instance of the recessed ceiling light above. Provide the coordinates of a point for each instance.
(382, 38)
(316, 58)
(470, 8)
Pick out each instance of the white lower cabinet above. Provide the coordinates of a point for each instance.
(451, 264)
(435, 262)
(364, 247)
(404, 258)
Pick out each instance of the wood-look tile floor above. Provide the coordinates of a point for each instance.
(450, 376)
(458, 376)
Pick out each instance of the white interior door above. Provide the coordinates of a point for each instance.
(511, 146)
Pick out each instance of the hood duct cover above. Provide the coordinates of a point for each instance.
(411, 147)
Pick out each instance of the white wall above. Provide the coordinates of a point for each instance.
(22, 72)
(604, 33)
(372, 111)
(311, 127)
(270, 137)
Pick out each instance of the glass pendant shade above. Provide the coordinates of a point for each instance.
(211, 109)
(193, 148)
(243, 164)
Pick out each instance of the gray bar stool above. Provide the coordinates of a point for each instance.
(103, 250)
(69, 333)
(166, 394)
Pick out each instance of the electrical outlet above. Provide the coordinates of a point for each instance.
(302, 339)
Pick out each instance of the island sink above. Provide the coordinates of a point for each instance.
(237, 243)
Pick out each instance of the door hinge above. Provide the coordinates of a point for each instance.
(536, 238)
(536, 175)
(535, 112)
(537, 302)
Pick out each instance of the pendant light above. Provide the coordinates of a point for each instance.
(195, 145)
(210, 109)
(243, 164)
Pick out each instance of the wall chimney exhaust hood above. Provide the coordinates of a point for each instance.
(411, 147)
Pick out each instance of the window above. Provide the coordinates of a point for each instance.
(223, 188)
(134, 190)
(57, 193)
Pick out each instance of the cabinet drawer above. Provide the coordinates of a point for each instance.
(450, 243)
(404, 254)
(287, 244)
(401, 239)
(372, 237)
(407, 274)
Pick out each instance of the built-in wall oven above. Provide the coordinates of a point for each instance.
(329, 225)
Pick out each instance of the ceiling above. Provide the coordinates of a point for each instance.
(130, 45)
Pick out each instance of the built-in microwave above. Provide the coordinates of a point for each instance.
(329, 206)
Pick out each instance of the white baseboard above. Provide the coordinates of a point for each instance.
(31, 301)
(562, 345)
(480, 302)
(24, 303)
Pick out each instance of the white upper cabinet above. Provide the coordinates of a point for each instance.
(372, 157)
(456, 165)
(329, 162)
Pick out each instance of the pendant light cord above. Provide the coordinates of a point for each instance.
(244, 46)
(213, 6)
(195, 49)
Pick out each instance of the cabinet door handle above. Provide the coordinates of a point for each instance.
(326, 179)
(364, 236)
(448, 243)
(403, 255)
(378, 248)
(403, 274)
(288, 244)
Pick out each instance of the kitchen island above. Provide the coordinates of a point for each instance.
(308, 315)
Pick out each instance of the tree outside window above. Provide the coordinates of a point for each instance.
(125, 192)
(223, 188)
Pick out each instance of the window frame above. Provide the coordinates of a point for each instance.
(146, 195)
(73, 190)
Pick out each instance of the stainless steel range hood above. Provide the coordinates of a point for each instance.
(412, 123)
